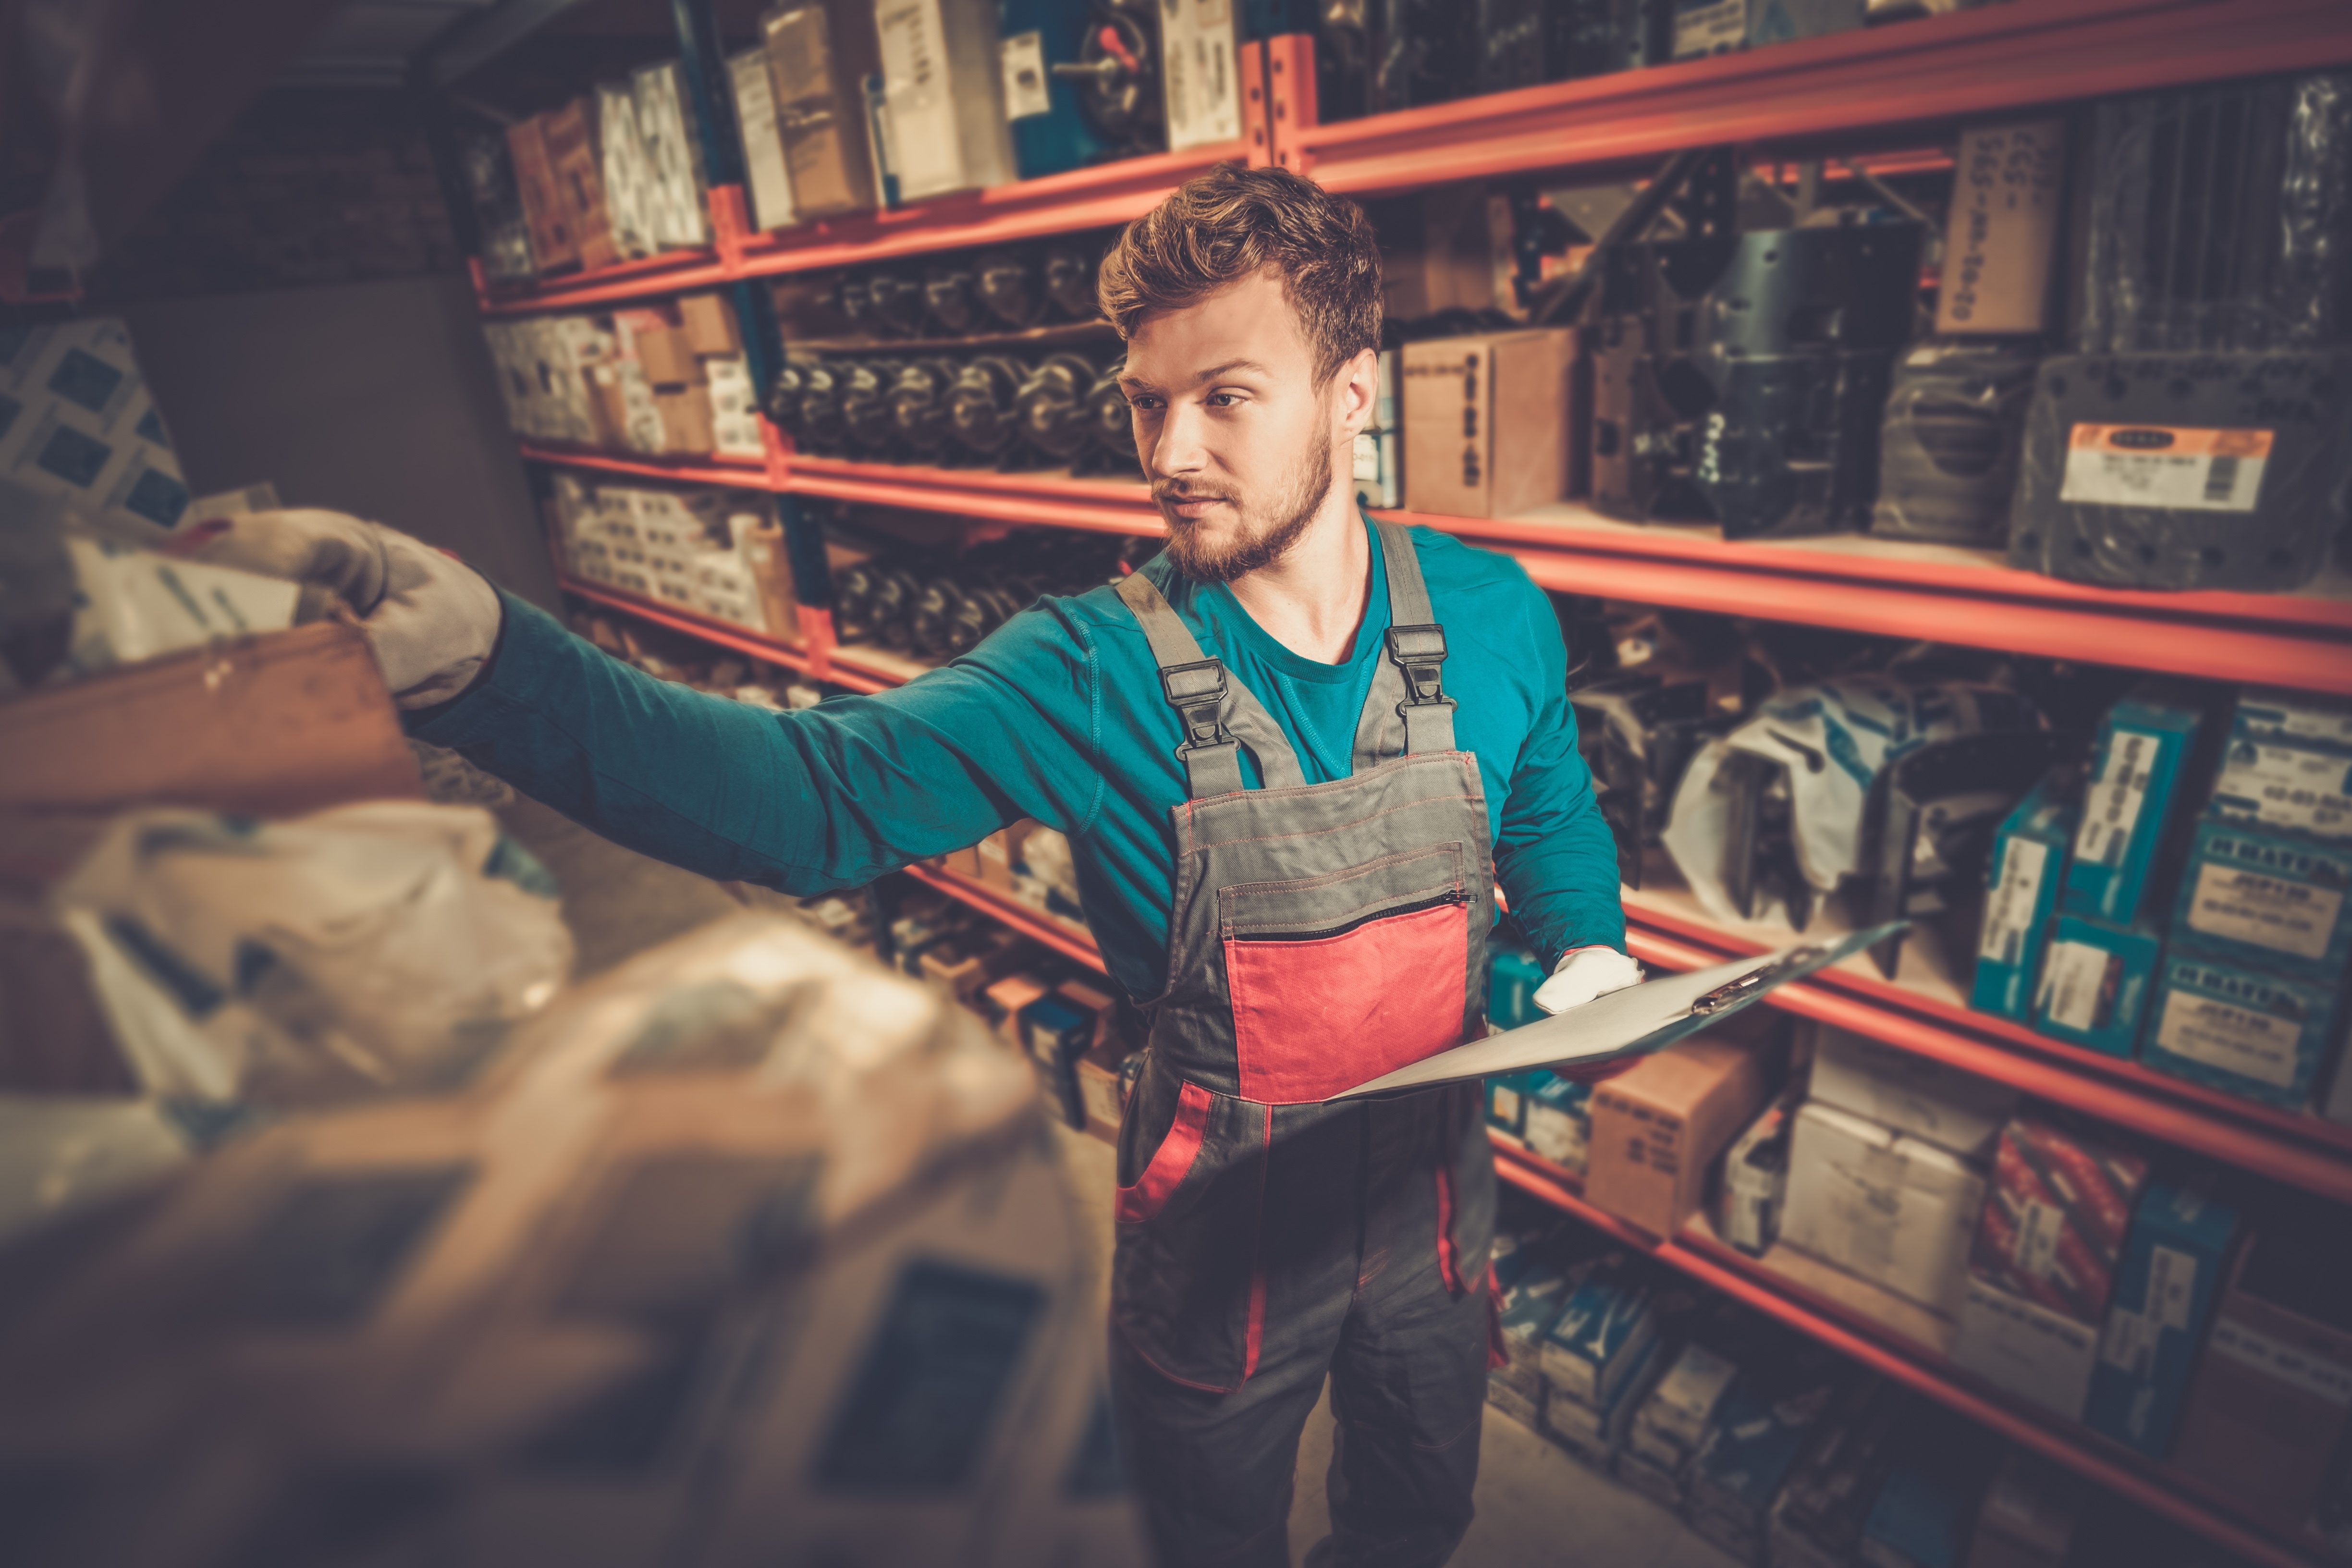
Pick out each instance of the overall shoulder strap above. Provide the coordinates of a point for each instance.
(1407, 709)
(1217, 713)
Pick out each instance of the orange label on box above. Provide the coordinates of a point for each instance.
(2169, 467)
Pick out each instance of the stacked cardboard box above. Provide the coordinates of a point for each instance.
(1600, 1357)
(1658, 1127)
(820, 56)
(715, 553)
(2170, 1275)
(2042, 1267)
(1760, 1430)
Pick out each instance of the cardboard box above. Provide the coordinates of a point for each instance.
(628, 170)
(1438, 257)
(943, 92)
(1056, 1032)
(1559, 1122)
(709, 324)
(2286, 788)
(1595, 1435)
(2267, 900)
(659, 346)
(544, 210)
(2147, 747)
(2095, 980)
(2008, 186)
(1486, 422)
(1513, 977)
(1674, 1420)
(2054, 1218)
(767, 185)
(763, 549)
(2029, 861)
(1530, 1305)
(2042, 1357)
(2274, 1391)
(1910, 1094)
(1892, 1209)
(2265, 1036)
(1001, 1003)
(1660, 1484)
(1760, 1432)
(1505, 1108)
(1658, 1126)
(271, 725)
(2028, 1517)
(570, 136)
(1098, 1090)
(1607, 1321)
(1522, 1406)
(818, 56)
(1200, 82)
(2173, 1264)
(997, 853)
(685, 413)
(1819, 1516)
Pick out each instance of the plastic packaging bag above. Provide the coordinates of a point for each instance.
(384, 945)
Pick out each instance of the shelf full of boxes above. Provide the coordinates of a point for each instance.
(2200, 1022)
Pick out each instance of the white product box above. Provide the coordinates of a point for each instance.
(675, 158)
(944, 95)
(1892, 1209)
(628, 172)
(768, 186)
(1671, 1421)
(1201, 72)
(79, 425)
(1912, 1094)
(2042, 1357)
(734, 409)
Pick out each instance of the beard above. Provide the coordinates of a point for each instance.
(1266, 532)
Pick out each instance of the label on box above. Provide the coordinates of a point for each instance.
(2129, 1344)
(2004, 213)
(1506, 1102)
(925, 153)
(2286, 787)
(2116, 797)
(1200, 88)
(1710, 29)
(2246, 906)
(2009, 909)
(2251, 1045)
(2039, 1230)
(1023, 58)
(2174, 468)
(2325, 1380)
(2073, 979)
(2171, 1285)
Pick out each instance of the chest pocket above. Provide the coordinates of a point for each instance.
(1338, 978)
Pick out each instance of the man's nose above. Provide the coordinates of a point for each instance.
(1180, 448)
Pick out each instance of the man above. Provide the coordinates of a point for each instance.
(1291, 756)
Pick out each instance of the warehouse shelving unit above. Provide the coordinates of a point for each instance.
(1902, 87)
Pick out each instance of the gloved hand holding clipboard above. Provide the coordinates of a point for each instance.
(1629, 1023)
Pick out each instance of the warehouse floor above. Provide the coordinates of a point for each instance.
(1536, 1506)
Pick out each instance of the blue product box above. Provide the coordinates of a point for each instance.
(1559, 1119)
(1050, 134)
(2268, 900)
(2285, 768)
(1512, 976)
(2265, 1036)
(1531, 1304)
(1922, 1513)
(2175, 1255)
(1609, 1320)
(2029, 861)
(1055, 1034)
(2293, 718)
(2096, 981)
(2138, 777)
(1507, 1105)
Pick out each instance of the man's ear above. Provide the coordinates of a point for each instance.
(1359, 392)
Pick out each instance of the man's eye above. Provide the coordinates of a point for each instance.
(1222, 400)
(1142, 404)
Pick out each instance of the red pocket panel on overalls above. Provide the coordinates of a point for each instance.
(1171, 1163)
(1316, 1016)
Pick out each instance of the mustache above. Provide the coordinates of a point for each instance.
(1164, 490)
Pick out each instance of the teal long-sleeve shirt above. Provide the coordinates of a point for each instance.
(1057, 715)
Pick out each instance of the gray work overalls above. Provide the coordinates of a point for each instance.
(1319, 936)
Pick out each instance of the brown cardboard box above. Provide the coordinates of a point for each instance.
(570, 136)
(1098, 1090)
(661, 349)
(685, 419)
(1092, 999)
(818, 55)
(709, 323)
(2003, 228)
(964, 862)
(544, 208)
(1002, 1002)
(1659, 1126)
(1441, 258)
(1486, 422)
(998, 851)
(273, 725)
(2275, 1387)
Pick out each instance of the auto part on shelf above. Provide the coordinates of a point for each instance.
(951, 298)
(895, 304)
(1637, 731)
(918, 406)
(821, 429)
(1069, 276)
(1927, 839)
(2185, 470)
(1741, 378)
(1010, 287)
(1052, 403)
(866, 412)
(785, 398)
(1947, 448)
(1110, 426)
(1117, 74)
(981, 406)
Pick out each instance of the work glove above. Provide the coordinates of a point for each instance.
(431, 619)
(1581, 974)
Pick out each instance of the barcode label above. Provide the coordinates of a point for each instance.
(2165, 467)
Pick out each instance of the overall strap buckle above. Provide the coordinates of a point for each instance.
(1428, 713)
(1197, 692)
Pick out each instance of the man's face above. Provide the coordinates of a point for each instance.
(1234, 434)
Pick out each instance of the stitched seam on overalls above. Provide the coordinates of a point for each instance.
(1447, 848)
(1347, 826)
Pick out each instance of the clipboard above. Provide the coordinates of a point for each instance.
(1629, 1023)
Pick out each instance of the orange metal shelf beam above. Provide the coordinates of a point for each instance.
(1062, 936)
(736, 473)
(2157, 1489)
(1099, 506)
(721, 634)
(1903, 76)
